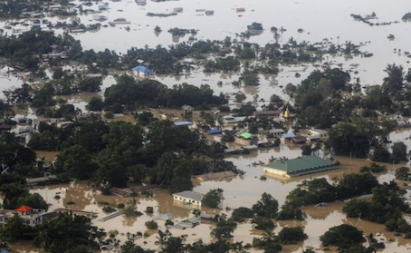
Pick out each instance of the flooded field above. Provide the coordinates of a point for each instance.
(334, 25)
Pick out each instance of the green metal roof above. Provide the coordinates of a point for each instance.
(247, 135)
(303, 165)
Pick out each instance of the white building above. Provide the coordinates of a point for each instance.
(188, 198)
(30, 216)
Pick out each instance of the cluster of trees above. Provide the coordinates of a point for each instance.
(66, 233)
(399, 153)
(266, 209)
(161, 60)
(114, 154)
(320, 190)
(403, 173)
(386, 207)
(13, 9)
(127, 92)
(356, 137)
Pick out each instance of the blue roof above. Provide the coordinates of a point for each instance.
(288, 135)
(5, 251)
(214, 131)
(183, 123)
(142, 69)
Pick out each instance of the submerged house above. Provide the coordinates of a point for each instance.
(188, 198)
(246, 139)
(299, 166)
(142, 72)
(30, 216)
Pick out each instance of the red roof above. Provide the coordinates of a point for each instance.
(24, 209)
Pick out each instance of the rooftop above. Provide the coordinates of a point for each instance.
(247, 135)
(303, 165)
(142, 69)
(190, 195)
(24, 209)
(183, 123)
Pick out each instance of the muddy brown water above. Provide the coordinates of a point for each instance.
(238, 191)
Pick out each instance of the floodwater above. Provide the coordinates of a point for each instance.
(334, 24)
(238, 191)
(321, 19)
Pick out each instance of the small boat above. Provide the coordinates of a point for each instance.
(209, 13)
(141, 2)
(100, 18)
(178, 10)
(240, 10)
(200, 10)
(103, 7)
(120, 21)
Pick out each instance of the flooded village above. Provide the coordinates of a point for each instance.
(205, 126)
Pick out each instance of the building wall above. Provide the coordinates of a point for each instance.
(186, 200)
(245, 142)
(275, 172)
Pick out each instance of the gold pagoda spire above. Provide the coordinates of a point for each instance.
(287, 113)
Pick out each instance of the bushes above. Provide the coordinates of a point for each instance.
(403, 173)
(241, 213)
(290, 211)
(212, 198)
(386, 207)
(342, 236)
(262, 223)
(266, 207)
(151, 225)
(292, 235)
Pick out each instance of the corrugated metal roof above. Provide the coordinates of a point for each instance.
(303, 165)
(142, 69)
(191, 195)
(247, 135)
(183, 123)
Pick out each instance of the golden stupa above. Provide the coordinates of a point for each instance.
(287, 114)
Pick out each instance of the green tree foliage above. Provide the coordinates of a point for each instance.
(151, 225)
(145, 118)
(343, 236)
(96, 104)
(224, 229)
(290, 211)
(269, 243)
(212, 198)
(242, 213)
(152, 93)
(33, 200)
(66, 234)
(292, 235)
(250, 78)
(130, 247)
(76, 162)
(319, 190)
(16, 229)
(44, 96)
(386, 207)
(403, 173)
(348, 139)
(381, 154)
(399, 152)
(262, 223)
(394, 82)
(374, 168)
(90, 84)
(266, 207)
(229, 63)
